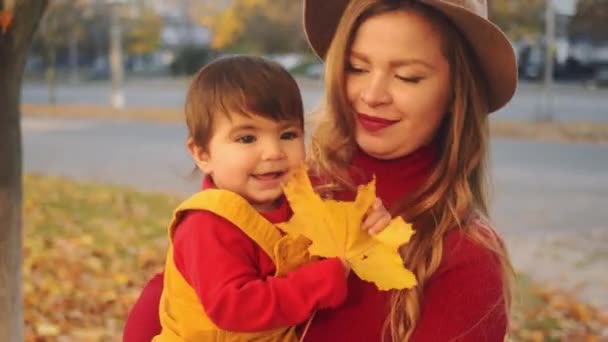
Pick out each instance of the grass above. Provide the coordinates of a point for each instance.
(89, 249)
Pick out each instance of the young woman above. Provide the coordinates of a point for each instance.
(409, 85)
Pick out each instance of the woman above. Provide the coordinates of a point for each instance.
(409, 85)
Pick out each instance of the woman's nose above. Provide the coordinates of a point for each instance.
(375, 92)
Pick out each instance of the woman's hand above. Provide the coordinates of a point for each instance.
(377, 218)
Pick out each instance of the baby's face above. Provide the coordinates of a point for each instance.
(252, 156)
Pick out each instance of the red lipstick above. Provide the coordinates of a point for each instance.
(372, 123)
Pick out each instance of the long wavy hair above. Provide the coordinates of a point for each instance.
(454, 195)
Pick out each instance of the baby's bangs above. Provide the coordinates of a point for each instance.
(256, 98)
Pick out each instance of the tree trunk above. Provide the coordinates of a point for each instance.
(50, 75)
(13, 52)
(73, 53)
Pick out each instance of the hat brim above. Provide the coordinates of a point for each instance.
(492, 48)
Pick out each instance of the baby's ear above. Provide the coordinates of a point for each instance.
(200, 157)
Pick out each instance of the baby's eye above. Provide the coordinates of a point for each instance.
(246, 139)
(290, 135)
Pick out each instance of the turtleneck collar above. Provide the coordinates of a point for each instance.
(395, 178)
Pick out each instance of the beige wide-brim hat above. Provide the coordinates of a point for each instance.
(491, 46)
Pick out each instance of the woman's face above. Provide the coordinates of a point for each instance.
(397, 83)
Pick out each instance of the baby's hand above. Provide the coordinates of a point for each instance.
(377, 218)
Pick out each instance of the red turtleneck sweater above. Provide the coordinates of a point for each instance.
(462, 301)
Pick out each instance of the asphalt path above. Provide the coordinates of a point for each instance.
(569, 102)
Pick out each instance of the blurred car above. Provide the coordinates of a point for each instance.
(315, 70)
(287, 60)
(600, 77)
(531, 63)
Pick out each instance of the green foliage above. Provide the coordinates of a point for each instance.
(519, 19)
(190, 58)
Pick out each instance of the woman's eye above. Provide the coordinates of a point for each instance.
(246, 139)
(354, 69)
(289, 135)
(409, 79)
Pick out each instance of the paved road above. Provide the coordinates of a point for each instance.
(572, 102)
(551, 199)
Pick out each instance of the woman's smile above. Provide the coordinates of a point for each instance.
(373, 123)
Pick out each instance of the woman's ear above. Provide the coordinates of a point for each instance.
(200, 157)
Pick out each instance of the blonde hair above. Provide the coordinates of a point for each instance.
(454, 194)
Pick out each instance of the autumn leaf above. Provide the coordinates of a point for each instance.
(334, 227)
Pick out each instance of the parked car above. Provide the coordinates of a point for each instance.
(315, 70)
(600, 77)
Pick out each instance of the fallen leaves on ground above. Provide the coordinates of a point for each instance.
(89, 250)
(150, 114)
(543, 313)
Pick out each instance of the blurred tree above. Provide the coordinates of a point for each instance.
(591, 20)
(519, 19)
(227, 26)
(80, 29)
(190, 58)
(143, 31)
(96, 22)
(261, 26)
(275, 27)
(60, 28)
(14, 44)
(225, 18)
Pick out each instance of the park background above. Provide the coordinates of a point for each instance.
(104, 159)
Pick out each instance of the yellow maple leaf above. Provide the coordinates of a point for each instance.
(334, 227)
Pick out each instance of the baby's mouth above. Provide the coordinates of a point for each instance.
(268, 175)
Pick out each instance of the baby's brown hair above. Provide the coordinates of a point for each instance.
(241, 84)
